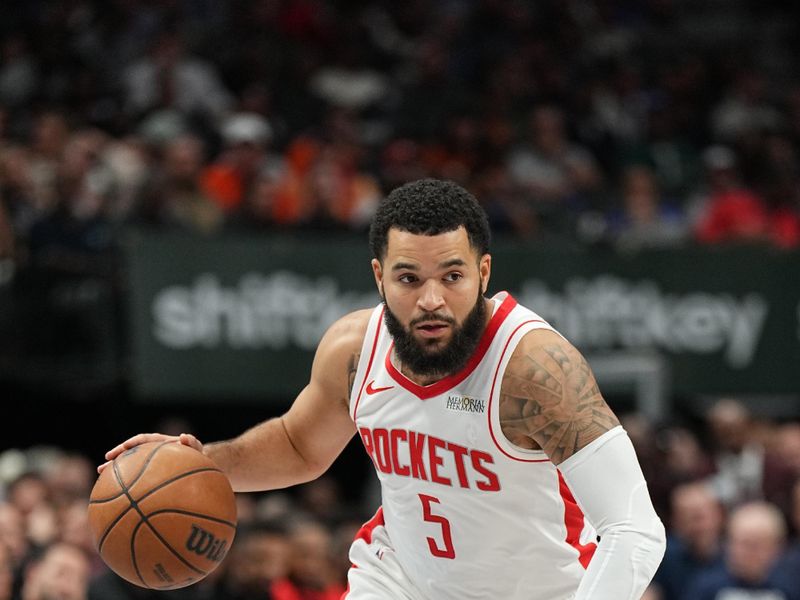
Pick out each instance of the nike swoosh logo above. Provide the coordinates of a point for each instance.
(373, 390)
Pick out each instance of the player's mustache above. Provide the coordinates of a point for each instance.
(432, 317)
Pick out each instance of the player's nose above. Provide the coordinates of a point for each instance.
(431, 297)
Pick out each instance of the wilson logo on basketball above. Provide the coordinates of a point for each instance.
(204, 543)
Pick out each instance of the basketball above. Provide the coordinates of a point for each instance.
(162, 515)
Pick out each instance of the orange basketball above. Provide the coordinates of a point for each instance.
(162, 515)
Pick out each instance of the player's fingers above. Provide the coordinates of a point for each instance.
(103, 466)
(187, 439)
(141, 438)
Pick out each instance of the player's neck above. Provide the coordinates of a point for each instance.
(422, 380)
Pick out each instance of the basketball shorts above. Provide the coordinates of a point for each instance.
(376, 573)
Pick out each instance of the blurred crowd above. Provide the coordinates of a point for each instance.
(727, 489)
(639, 124)
(288, 545)
(633, 124)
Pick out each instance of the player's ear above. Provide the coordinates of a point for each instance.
(377, 271)
(485, 268)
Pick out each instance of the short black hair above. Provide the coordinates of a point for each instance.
(429, 207)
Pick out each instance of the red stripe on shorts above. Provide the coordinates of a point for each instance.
(365, 533)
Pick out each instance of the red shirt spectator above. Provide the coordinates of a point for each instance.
(731, 212)
(735, 214)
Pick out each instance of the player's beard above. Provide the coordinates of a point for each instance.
(413, 353)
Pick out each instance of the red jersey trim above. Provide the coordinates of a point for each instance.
(491, 397)
(574, 520)
(424, 392)
(369, 366)
(365, 533)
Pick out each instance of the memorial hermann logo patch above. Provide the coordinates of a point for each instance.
(465, 404)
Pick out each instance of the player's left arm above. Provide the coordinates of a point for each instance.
(550, 400)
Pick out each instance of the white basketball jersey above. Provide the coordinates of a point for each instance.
(470, 515)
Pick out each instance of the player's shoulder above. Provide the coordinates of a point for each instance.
(540, 336)
(542, 342)
(347, 332)
(338, 351)
(353, 324)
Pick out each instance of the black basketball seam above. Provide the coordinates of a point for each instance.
(167, 482)
(163, 483)
(189, 513)
(145, 521)
(135, 479)
(133, 554)
(124, 491)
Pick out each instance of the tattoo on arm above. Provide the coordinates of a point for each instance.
(549, 398)
(352, 367)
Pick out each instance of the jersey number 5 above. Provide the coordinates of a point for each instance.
(448, 551)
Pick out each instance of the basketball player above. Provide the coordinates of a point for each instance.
(504, 473)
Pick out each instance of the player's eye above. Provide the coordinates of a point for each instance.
(407, 278)
(453, 277)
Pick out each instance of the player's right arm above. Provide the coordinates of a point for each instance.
(301, 444)
(550, 400)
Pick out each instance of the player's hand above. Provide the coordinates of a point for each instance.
(187, 439)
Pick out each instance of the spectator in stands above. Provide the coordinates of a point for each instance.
(14, 537)
(281, 193)
(500, 199)
(744, 469)
(347, 80)
(61, 571)
(171, 76)
(259, 209)
(320, 499)
(18, 193)
(755, 540)
(173, 197)
(694, 543)
(69, 477)
(738, 457)
(555, 175)
(79, 223)
(679, 459)
(73, 528)
(257, 561)
(29, 494)
(339, 193)
(400, 162)
(668, 150)
(27, 491)
(49, 136)
(456, 153)
(728, 211)
(311, 575)
(245, 155)
(620, 104)
(645, 219)
(745, 109)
